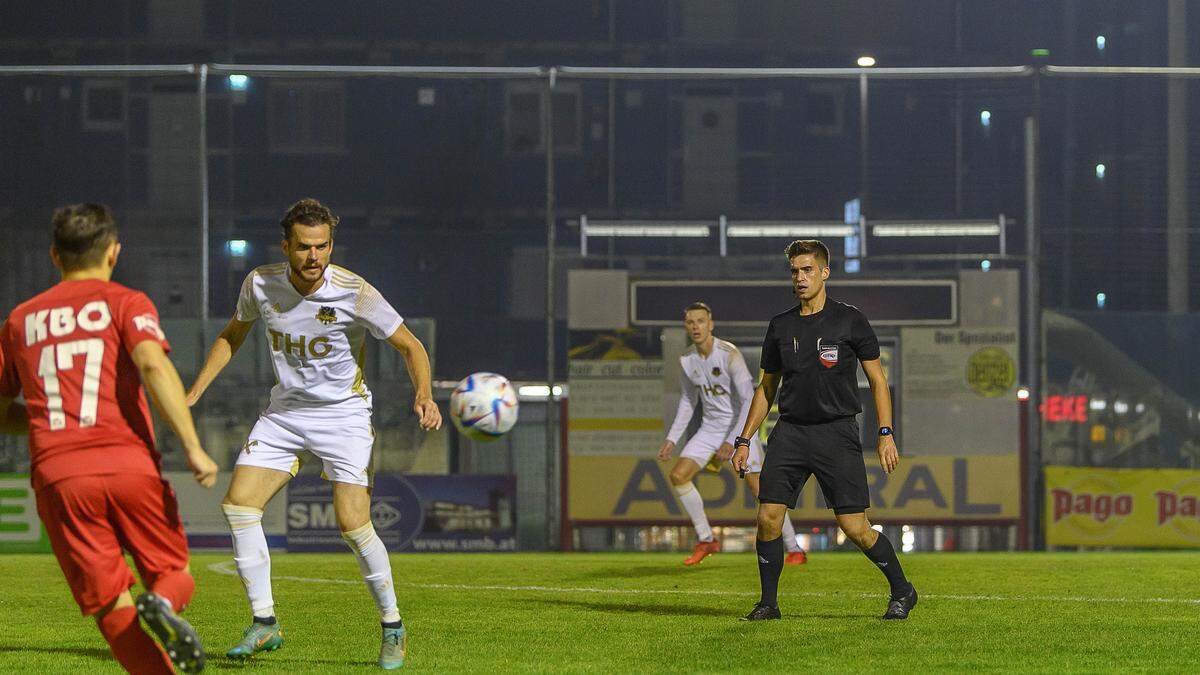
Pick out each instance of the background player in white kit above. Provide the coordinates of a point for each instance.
(713, 371)
(316, 317)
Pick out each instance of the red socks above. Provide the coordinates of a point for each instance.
(136, 651)
(176, 587)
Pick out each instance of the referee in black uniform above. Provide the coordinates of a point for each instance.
(811, 350)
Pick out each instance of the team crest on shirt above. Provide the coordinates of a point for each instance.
(326, 315)
(716, 371)
(828, 354)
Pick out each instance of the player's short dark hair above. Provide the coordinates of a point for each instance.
(82, 234)
(812, 247)
(697, 305)
(308, 211)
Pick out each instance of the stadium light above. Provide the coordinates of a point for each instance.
(1139, 408)
(1023, 394)
(537, 390)
(795, 230)
(237, 247)
(985, 118)
(866, 61)
(1120, 407)
(1100, 43)
(938, 230)
(239, 82)
(635, 229)
(1101, 300)
(1098, 404)
(1100, 169)
(985, 265)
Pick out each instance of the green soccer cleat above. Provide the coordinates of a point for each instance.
(391, 650)
(177, 636)
(259, 637)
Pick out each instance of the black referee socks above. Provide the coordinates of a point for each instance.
(884, 557)
(770, 566)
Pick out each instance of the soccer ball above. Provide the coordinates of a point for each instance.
(484, 406)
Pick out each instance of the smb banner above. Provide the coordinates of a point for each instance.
(615, 489)
(411, 513)
(1134, 508)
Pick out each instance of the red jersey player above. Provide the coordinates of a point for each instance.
(79, 353)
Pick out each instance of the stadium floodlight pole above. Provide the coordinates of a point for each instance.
(551, 401)
(1033, 333)
(863, 142)
(202, 160)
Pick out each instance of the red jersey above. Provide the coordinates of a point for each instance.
(68, 351)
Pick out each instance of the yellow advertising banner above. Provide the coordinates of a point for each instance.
(1131, 508)
(636, 489)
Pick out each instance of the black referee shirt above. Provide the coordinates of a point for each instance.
(817, 356)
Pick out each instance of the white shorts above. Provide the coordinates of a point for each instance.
(701, 447)
(343, 441)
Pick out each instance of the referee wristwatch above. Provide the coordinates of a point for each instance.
(886, 431)
(740, 440)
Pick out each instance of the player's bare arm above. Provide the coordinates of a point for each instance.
(166, 391)
(889, 456)
(416, 359)
(14, 419)
(764, 395)
(219, 355)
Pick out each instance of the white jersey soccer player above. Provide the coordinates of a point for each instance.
(316, 316)
(321, 402)
(713, 373)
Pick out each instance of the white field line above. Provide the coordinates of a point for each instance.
(227, 568)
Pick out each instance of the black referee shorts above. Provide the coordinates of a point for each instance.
(832, 451)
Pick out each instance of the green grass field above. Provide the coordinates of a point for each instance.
(616, 613)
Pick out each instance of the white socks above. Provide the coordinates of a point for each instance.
(693, 503)
(252, 557)
(789, 534)
(376, 569)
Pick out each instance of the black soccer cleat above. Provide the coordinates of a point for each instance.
(177, 636)
(898, 608)
(762, 612)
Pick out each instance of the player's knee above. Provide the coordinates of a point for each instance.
(679, 477)
(362, 540)
(770, 524)
(685, 489)
(858, 532)
(240, 517)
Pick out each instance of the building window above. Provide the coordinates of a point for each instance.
(825, 109)
(103, 105)
(306, 117)
(524, 106)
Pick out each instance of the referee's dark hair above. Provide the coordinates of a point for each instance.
(698, 305)
(808, 247)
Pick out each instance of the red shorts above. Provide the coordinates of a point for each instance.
(90, 519)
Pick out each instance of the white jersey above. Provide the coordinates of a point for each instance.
(722, 384)
(316, 340)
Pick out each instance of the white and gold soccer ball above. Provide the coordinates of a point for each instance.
(484, 406)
